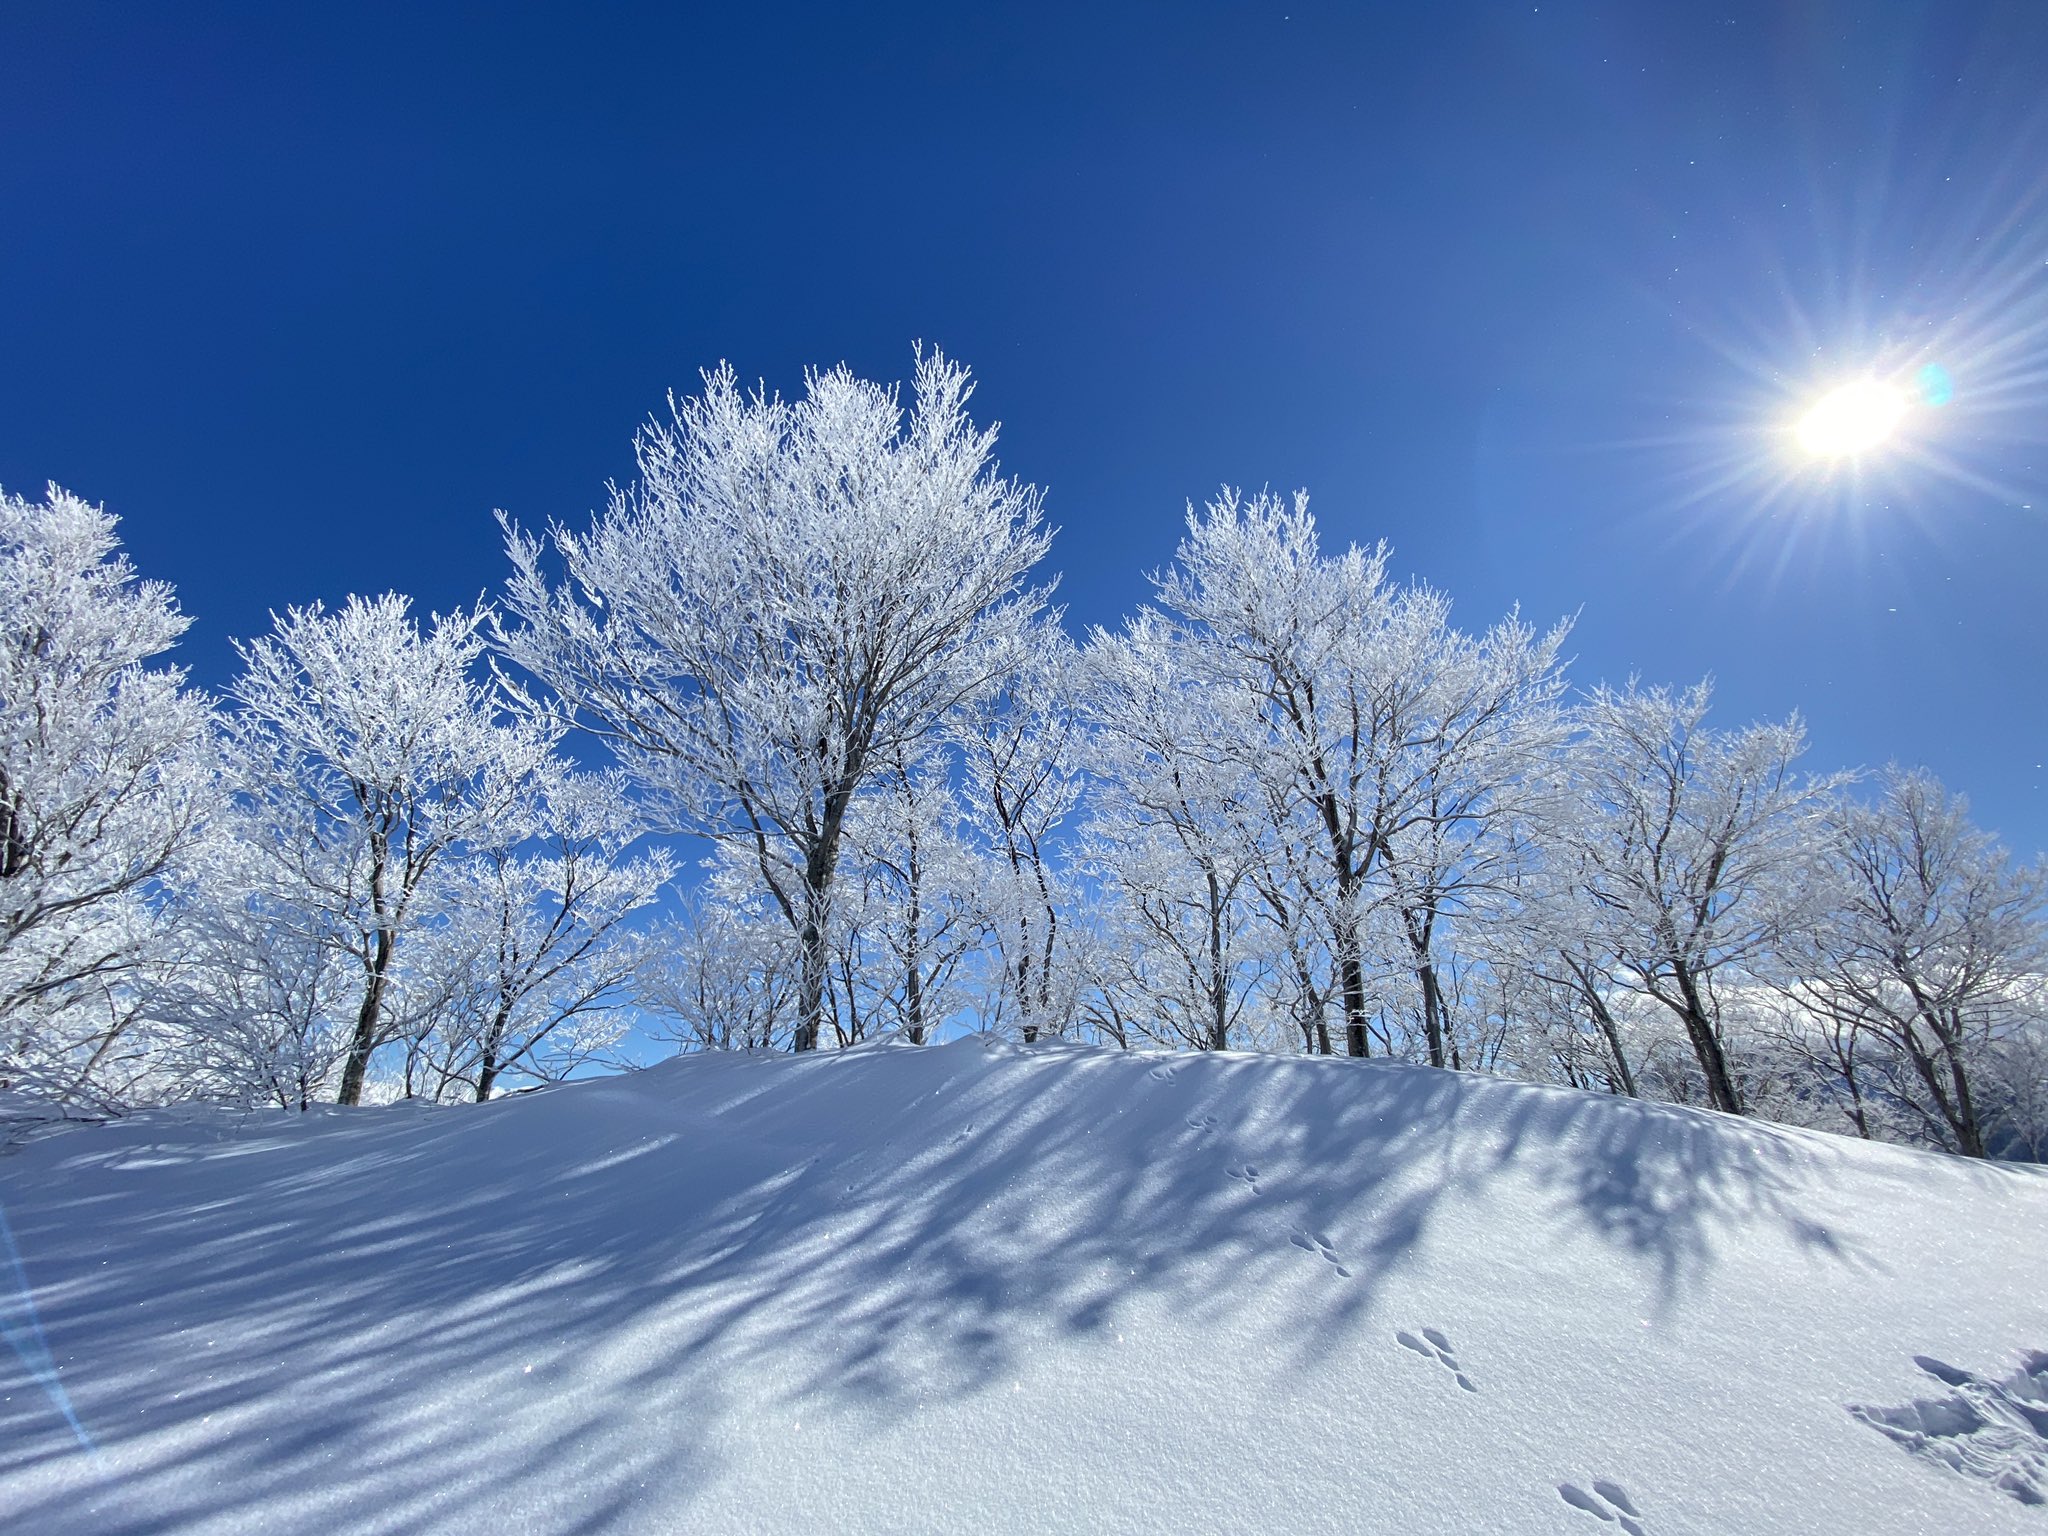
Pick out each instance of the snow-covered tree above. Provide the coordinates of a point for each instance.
(1693, 847)
(922, 896)
(368, 751)
(532, 945)
(261, 990)
(2015, 1103)
(1261, 608)
(792, 596)
(103, 785)
(1174, 840)
(1021, 741)
(1389, 737)
(725, 970)
(1458, 797)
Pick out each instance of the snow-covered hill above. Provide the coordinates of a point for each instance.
(978, 1287)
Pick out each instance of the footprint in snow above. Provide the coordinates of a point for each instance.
(1201, 1125)
(1246, 1174)
(1608, 1501)
(1164, 1074)
(1435, 1345)
(1318, 1243)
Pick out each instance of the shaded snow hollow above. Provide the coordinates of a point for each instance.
(977, 1287)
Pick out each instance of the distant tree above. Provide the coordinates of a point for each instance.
(1924, 953)
(1552, 951)
(2017, 1112)
(103, 785)
(369, 753)
(793, 596)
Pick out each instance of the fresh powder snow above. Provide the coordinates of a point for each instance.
(988, 1287)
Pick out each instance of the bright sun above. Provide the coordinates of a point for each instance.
(1852, 419)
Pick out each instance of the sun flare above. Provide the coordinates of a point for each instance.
(1852, 420)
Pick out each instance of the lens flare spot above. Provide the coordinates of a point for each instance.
(1934, 384)
(1851, 420)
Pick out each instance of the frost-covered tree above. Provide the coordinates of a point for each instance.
(1021, 742)
(1922, 954)
(1389, 737)
(533, 945)
(368, 752)
(1458, 796)
(1551, 952)
(259, 988)
(923, 896)
(1174, 841)
(2016, 1103)
(103, 785)
(1261, 608)
(793, 595)
(724, 970)
(1693, 848)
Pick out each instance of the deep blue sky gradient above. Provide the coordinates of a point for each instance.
(1528, 290)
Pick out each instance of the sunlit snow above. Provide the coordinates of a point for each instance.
(983, 1287)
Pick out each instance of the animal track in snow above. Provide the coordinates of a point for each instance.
(1435, 1345)
(1608, 1501)
(1246, 1174)
(1992, 1430)
(1165, 1074)
(1201, 1124)
(1318, 1244)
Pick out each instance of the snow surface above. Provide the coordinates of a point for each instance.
(978, 1287)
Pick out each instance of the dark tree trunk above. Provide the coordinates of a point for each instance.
(13, 834)
(488, 1069)
(1219, 977)
(1603, 1020)
(1421, 925)
(1858, 1115)
(913, 996)
(810, 995)
(1344, 865)
(1947, 1080)
(1706, 1043)
(819, 864)
(363, 1043)
(1352, 969)
(1432, 1012)
(1969, 1132)
(370, 1016)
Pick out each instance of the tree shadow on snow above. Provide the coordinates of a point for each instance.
(411, 1319)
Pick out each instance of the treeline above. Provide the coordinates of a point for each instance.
(1289, 805)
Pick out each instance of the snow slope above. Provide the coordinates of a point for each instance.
(977, 1287)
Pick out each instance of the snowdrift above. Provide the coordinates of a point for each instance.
(977, 1287)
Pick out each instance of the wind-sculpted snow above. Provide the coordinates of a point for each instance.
(991, 1288)
(1993, 1430)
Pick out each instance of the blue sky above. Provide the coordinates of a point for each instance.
(1530, 291)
